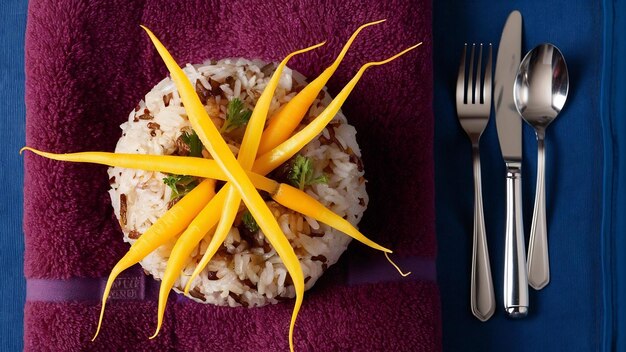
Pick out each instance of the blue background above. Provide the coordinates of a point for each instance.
(12, 118)
(580, 309)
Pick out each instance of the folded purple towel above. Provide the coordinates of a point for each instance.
(373, 317)
(89, 63)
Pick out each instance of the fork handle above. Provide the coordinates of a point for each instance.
(482, 298)
(515, 279)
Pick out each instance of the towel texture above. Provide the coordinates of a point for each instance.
(87, 66)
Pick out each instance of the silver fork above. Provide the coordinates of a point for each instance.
(473, 107)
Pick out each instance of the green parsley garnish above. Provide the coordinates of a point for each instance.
(249, 222)
(236, 115)
(301, 173)
(193, 141)
(180, 185)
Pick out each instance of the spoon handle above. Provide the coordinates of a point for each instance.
(482, 298)
(538, 260)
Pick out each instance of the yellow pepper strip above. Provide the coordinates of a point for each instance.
(208, 169)
(285, 121)
(254, 130)
(247, 154)
(185, 244)
(217, 147)
(179, 165)
(229, 212)
(274, 158)
(302, 203)
(173, 222)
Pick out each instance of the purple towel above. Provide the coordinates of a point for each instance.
(89, 63)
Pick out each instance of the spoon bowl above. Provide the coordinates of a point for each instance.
(540, 92)
(541, 85)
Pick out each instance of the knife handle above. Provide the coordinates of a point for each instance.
(515, 277)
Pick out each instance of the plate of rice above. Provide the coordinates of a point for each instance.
(246, 270)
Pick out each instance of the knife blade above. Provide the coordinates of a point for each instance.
(509, 127)
(508, 121)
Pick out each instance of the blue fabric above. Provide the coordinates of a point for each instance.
(614, 204)
(568, 314)
(12, 118)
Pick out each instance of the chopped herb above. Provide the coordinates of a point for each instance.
(180, 185)
(236, 115)
(249, 222)
(301, 173)
(193, 141)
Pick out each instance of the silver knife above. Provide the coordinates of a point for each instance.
(509, 125)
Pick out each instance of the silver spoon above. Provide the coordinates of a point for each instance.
(540, 92)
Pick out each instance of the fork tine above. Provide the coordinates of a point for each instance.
(460, 81)
(470, 76)
(487, 86)
(477, 86)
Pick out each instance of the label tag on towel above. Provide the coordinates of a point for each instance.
(130, 285)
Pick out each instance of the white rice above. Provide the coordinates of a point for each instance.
(243, 272)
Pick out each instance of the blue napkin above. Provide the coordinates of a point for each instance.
(12, 284)
(570, 314)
